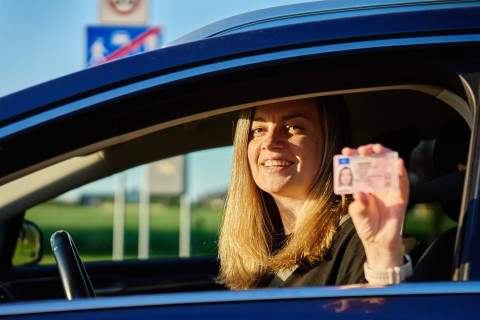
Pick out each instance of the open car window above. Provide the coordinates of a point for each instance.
(164, 209)
(398, 117)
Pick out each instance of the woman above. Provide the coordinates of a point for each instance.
(283, 225)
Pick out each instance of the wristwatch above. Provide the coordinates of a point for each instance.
(391, 275)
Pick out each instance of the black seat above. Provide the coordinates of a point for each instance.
(449, 159)
(437, 261)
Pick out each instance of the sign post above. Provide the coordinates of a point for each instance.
(124, 32)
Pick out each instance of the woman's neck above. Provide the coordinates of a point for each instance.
(289, 210)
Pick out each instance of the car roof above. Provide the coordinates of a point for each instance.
(305, 12)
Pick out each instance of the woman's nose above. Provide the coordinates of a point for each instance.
(272, 140)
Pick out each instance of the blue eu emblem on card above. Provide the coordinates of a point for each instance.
(343, 160)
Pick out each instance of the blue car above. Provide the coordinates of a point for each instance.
(409, 73)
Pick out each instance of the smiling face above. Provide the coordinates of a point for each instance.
(286, 147)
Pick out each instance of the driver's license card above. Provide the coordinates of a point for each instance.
(373, 173)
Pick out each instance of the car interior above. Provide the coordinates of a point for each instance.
(398, 117)
(423, 121)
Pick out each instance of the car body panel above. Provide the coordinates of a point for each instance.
(354, 303)
(312, 11)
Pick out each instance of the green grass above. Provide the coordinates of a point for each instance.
(426, 222)
(91, 228)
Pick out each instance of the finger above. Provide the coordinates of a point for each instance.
(373, 148)
(365, 150)
(379, 148)
(404, 184)
(400, 167)
(349, 152)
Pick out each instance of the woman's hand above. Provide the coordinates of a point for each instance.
(378, 217)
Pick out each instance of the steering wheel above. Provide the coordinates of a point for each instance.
(75, 280)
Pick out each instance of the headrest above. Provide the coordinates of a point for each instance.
(449, 163)
(450, 159)
(451, 148)
(402, 140)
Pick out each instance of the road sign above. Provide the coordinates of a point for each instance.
(167, 176)
(124, 12)
(106, 43)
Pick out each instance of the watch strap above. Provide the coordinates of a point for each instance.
(391, 275)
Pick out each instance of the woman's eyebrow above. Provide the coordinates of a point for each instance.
(285, 117)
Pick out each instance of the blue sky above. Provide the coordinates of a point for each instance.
(43, 40)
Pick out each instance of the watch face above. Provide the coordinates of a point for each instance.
(123, 6)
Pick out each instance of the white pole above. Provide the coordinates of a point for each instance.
(184, 225)
(185, 214)
(144, 217)
(119, 218)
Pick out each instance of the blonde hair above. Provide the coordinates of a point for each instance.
(249, 237)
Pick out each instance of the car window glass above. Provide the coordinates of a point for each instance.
(106, 218)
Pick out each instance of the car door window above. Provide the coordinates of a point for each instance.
(168, 208)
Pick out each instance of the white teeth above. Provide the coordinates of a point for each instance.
(276, 163)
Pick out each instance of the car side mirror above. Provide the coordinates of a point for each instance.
(29, 247)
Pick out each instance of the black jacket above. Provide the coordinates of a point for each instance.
(342, 265)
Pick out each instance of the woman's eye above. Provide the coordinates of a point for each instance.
(257, 132)
(294, 128)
